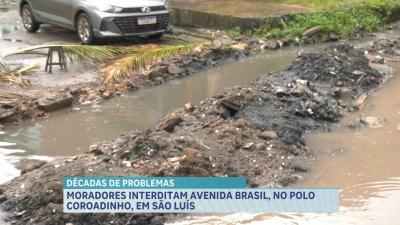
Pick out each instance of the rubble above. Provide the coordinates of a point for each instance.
(373, 122)
(171, 123)
(360, 101)
(55, 102)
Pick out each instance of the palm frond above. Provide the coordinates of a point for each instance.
(13, 75)
(140, 59)
(122, 60)
(93, 54)
(79, 53)
(4, 68)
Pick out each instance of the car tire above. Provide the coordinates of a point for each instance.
(85, 29)
(155, 36)
(28, 19)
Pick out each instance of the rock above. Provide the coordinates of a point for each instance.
(333, 36)
(217, 44)
(357, 33)
(312, 31)
(360, 101)
(299, 165)
(119, 142)
(272, 45)
(6, 113)
(198, 48)
(189, 107)
(171, 123)
(95, 149)
(286, 181)
(248, 145)
(221, 43)
(27, 165)
(373, 122)
(379, 60)
(268, 135)
(260, 146)
(3, 199)
(174, 69)
(358, 72)
(339, 83)
(1, 191)
(260, 41)
(240, 46)
(279, 91)
(107, 95)
(55, 102)
(192, 163)
(158, 72)
(232, 104)
(302, 82)
(298, 91)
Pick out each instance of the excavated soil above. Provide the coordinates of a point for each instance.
(254, 130)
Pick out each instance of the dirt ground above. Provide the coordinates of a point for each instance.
(260, 125)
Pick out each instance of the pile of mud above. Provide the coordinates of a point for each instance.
(253, 130)
(312, 92)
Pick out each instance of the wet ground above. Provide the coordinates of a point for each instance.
(240, 8)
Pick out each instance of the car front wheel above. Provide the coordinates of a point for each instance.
(28, 19)
(85, 29)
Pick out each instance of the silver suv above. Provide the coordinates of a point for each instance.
(96, 19)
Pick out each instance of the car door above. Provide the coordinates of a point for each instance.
(60, 11)
(41, 9)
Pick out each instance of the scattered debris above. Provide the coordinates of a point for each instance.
(373, 122)
(312, 31)
(360, 101)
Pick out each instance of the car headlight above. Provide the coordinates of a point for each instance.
(108, 8)
(165, 2)
(104, 7)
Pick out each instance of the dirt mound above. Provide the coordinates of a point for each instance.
(339, 65)
(36, 196)
(311, 93)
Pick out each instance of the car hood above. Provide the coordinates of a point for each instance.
(133, 3)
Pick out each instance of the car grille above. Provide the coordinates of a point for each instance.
(130, 24)
(139, 9)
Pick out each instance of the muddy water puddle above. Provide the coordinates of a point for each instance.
(363, 163)
(70, 133)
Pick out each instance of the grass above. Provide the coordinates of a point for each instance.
(339, 16)
(329, 4)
